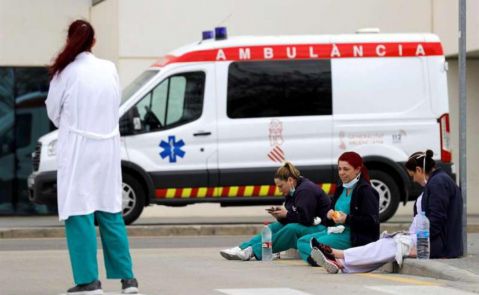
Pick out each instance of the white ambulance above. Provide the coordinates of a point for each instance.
(212, 121)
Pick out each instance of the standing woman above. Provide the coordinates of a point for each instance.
(83, 102)
(354, 217)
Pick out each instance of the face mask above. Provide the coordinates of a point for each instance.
(352, 182)
(291, 191)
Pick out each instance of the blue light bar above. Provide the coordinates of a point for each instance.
(208, 35)
(220, 33)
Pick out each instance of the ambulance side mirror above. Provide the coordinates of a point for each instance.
(130, 122)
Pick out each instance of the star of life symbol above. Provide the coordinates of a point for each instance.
(172, 148)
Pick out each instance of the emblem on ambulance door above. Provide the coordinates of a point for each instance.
(276, 140)
(172, 148)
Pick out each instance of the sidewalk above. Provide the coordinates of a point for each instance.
(234, 221)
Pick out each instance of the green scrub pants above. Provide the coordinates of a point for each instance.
(284, 237)
(82, 246)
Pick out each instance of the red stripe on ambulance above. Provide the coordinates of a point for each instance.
(308, 51)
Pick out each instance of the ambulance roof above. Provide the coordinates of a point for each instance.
(293, 40)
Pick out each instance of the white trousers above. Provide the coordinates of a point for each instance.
(369, 257)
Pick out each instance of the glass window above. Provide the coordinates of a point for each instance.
(175, 101)
(23, 129)
(279, 88)
(134, 86)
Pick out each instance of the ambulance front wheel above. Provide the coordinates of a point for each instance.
(389, 195)
(133, 199)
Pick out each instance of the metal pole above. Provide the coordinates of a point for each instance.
(463, 118)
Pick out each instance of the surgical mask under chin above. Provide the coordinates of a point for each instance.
(352, 182)
(291, 191)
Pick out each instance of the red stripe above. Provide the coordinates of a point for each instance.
(277, 154)
(275, 157)
(178, 192)
(272, 159)
(272, 190)
(210, 191)
(194, 192)
(308, 51)
(256, 190)
(161, 193)
(277, 147)
(240, 191)
(332, 190)
(225, 191)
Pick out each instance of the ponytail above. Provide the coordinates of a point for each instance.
(423, 160)
(286, 171)
(81, 36)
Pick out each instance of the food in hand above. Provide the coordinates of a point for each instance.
(335, 215)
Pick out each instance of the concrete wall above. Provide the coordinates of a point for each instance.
(104, 18)
(446, 24)
(472, 125)
(32, 32)
(150, 28)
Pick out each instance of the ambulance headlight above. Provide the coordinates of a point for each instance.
(52, 148)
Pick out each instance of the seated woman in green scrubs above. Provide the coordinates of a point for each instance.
(354, 216)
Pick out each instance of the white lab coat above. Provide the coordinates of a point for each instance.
(373, 255)
(83, 102)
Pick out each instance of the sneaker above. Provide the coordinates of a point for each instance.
(93, 288)
(129, 286)
(327, 251)
(237, 254)
(320, 258)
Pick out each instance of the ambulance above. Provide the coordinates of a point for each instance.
(212, 121)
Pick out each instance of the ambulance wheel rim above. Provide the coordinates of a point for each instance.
(128, 201)
(384, 194)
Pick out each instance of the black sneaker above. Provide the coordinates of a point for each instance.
(129, 286)
(93, 288)
(330, 265)
(327, 251)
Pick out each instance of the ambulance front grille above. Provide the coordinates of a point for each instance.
(36, 157)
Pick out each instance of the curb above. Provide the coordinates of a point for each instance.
(174, 230)
(436, 269)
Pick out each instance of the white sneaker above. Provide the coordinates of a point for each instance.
(236, 253)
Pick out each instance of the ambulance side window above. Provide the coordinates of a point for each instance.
(174, 101)
(279, 88)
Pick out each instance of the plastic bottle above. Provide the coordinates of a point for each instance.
(267, 246)
(422, 234)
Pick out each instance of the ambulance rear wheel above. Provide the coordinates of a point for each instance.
(388, 191)
(133, 199)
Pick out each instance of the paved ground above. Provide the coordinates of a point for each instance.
(192, 265)
(162, 239)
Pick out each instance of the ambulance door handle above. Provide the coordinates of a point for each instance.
(202, 133)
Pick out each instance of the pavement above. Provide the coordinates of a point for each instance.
(209, 222)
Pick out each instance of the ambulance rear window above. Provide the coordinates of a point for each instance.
(280, 88)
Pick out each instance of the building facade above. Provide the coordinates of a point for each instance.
(134, 34)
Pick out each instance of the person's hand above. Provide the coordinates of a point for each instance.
(279, 213)
(330, 213)
(341, 219)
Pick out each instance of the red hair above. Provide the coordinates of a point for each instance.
(80, 38)
(355, 160)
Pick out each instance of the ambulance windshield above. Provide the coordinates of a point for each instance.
(134, 86)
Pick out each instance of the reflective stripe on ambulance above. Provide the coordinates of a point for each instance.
(228, 191)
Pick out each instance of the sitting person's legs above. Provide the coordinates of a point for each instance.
(357, 259)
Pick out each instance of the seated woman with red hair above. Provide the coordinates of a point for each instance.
(354, 218)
